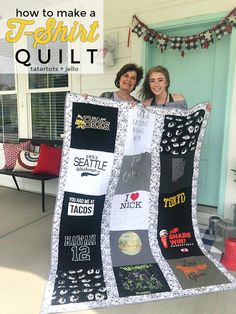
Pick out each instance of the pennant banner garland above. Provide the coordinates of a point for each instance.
(125, 223)
(183, 44)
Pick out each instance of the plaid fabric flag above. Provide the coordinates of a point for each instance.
(206, 39)
(150, 36)
(138, 29)
(232, 18)
(162, 41)
(176, 43)
(223, 28)
(191, 42)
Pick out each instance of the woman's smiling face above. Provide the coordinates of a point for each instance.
(158, 83)
(128, 81)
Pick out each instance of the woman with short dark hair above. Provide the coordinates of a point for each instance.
(127, 79)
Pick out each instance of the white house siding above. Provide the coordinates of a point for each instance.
(117, 18)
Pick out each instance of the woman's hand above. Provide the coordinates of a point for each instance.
(209, 107)
(133, 103)
(85, 95)
(147, 102)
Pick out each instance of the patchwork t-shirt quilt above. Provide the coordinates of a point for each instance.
(125, 225)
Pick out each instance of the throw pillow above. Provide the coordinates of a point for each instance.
(49, 160)
(2, 156)
(26, 161)
(11, 152)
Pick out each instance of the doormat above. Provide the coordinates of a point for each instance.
(125, 224)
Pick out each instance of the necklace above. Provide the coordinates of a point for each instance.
(165, 100)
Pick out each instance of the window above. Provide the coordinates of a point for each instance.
(48, 92)
(47, 95)
(8, 118)
(48, 114)
(8, 97)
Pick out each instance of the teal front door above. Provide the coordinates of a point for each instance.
(200, 76)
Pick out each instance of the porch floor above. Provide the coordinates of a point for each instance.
(25, 234)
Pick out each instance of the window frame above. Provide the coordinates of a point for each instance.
(49, 90)
(12, 92)
(23, 93)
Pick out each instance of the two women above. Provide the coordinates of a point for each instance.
(155, 89)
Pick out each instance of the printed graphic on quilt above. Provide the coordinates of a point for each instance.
(130, 211)
(135, 173)
(196, 272)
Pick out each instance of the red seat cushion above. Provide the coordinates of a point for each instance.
(49, 160)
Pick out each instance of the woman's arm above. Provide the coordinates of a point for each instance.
(178, 97)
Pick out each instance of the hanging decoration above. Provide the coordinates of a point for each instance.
(181, 43)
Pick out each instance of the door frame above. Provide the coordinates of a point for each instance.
(198, 20)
